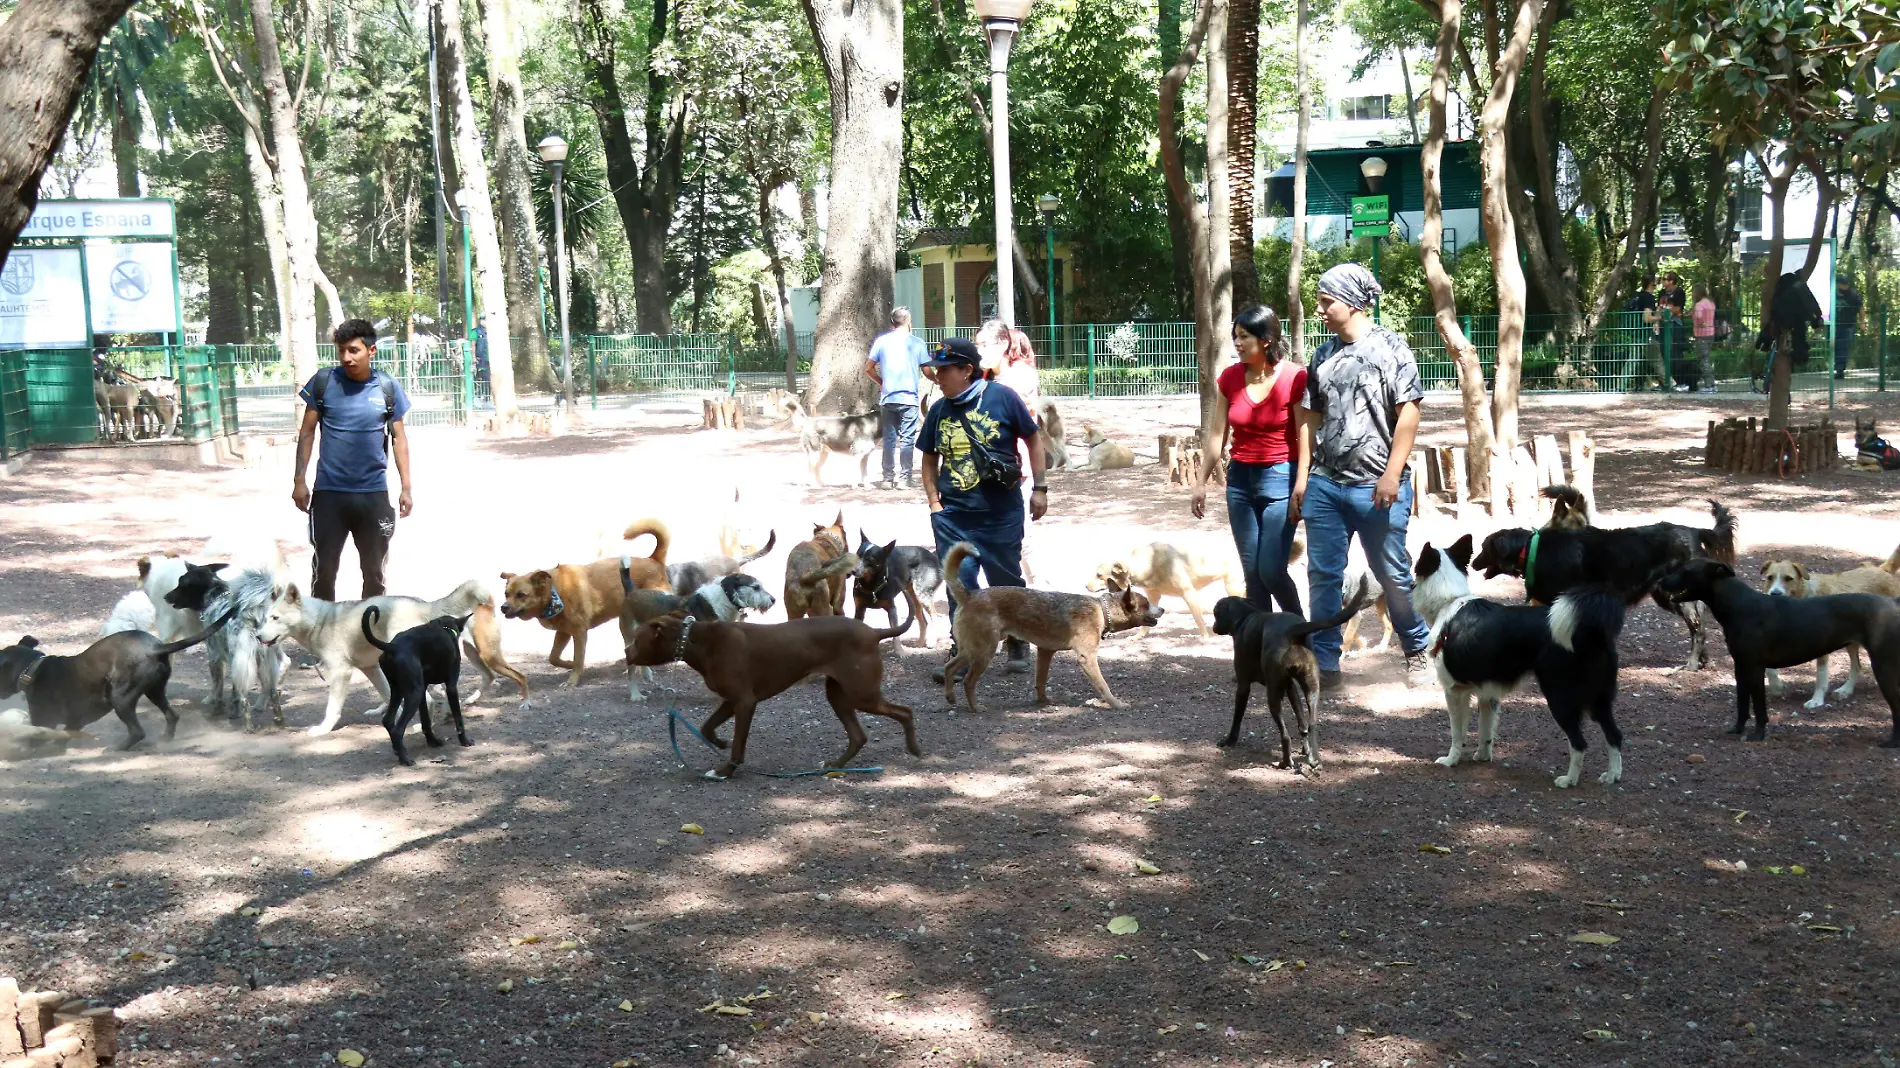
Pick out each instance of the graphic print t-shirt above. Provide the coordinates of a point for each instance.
(1357, 390)
(350, 453)
(999, 419)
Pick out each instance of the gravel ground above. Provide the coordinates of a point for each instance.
(276, 899)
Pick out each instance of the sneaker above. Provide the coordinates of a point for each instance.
(885, 484)
(1682, 389)
(1330, 680)
(1419, 671)
(1707, 389)
(1018, 657)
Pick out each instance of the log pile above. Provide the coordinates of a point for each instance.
(47, 1029)
(1743, 447)
(1442, 474)
(722, 412)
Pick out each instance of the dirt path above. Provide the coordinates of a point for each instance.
(273, 899)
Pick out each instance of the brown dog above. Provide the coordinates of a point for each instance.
(571, 599)
(807, 591)
(745, 663)
(1051, 622)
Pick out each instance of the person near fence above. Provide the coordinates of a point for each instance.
(896, 357)
(1703, 317)
(1676, 342)
(1009, 359)
(972, 481)
(1847, 306)
(1362, 397)
(361, 412)
(1264, 409)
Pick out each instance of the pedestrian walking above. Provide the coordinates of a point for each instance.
(1703, 318)
(896, 357)
(1847, 309)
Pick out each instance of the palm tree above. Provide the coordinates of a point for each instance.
(110, 99)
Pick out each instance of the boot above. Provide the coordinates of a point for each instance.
(936, 673)
(1018, 656)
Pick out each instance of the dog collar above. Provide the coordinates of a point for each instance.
(28, 673)
(1104, 599)
(555, 605)
(679, 651)
(1528, 558)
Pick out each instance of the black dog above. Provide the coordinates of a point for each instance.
(418, 658)
(70, 692)
(885, 571)
(1765, 631)
(1270, 649)
(1627, 560)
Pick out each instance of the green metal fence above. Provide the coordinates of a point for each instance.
(16, 428)
(648, 363)
(47, 396)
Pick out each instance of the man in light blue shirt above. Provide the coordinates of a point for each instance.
(895, 358)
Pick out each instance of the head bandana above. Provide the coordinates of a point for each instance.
(1350, 284)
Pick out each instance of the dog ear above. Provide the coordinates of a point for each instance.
(541, 580)
(213, 567)
(292, 595)
(1766, 564)
(1460, 552)
(1427, 565)
(889, 549)
(1800, 572)
(145, 567)
(507, 576)
(29, 642)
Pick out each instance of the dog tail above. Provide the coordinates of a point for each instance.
(1362, 596)
(1720, 542)
(1586, 619)
(185, 643)
(1892, 566)
(771, 539)
(843, 565)
(626, 575)
(899, 629)
(661, 538)
(952, 563)
(1566, 500)
(369, 617)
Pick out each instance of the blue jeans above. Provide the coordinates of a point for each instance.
(1257, 496)
(1843, 346)
(998, 537)
(899, 422)
(1334, 514)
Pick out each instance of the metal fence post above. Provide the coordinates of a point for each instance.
(593, 373)
(468, 384)
(1091, 361)
(732, 364)
(1881, 351)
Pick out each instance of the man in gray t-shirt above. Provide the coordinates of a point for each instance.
(1362, 398)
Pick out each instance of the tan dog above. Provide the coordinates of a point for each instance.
(572, 599)
(1569, 509)
(808, 592)
(1054, 449)
(1789, 578)
(745, 663)
(1052, 622)
(1164, 570)
(1105, 455)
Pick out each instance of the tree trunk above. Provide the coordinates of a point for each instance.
(1782, 376)
(861, 46)
(1168, 37)
(270, 216)
(1206, 244)
(473, 169)
(1612, 281)
(1243, 93)
(1411, 99)
(768, 232)
(125, 147)
(1781, 389)
(808, 232)
(1499, 228)
(520, 237)
(332, 300)
(46, 48)
(1302, 92)
(1547, 214)
(646, 188)
(1431, 242)
(300, 221)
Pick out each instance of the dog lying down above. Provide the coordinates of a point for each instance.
(745, 663)
(1270, 649)
(727, 599)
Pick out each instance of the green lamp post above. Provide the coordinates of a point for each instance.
(1047, 204)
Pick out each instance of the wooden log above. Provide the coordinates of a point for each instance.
(105, 1032)
(1461, 476)
(1524, 483)
(1550, 462)
(1165, 445)
(1500, 482)
(11, 1045)
(1583, 468)
(74, 1036)
(1421, 504)
(32, 1027)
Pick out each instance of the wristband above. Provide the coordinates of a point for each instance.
(1038, 489)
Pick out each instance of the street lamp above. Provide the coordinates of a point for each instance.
(1372, 168)
(1001, 19)
(1047, 204)
(553, 152)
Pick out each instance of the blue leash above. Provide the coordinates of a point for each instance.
(674, 721)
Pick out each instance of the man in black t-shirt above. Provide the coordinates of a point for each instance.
(1672, 291)
(1645, 301)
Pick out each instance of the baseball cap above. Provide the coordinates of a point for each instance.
(954, 351)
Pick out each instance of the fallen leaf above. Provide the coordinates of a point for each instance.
(349, 1058)
(1595, 938)
(1741, 814)
(691, 828)
(1433, 849)
(834, 774)
(1154, 799)
(1146, 868)
(1246, 958)
(1696, 758)
(626, 1006)
(1617, 905)
(1825, 927)
(818, 1017)
(1462, 1014)
(1299, 965)
(1204, 957)
(1124, 925)
(250, 910)
(760, 996)
(895, 995)
(137, 955)
(568, 943)
(1168, 1030)
(623, 1064)
(1275, 965)
(1599, 1035)
(524, 940)
(732, 1010)
(1796, 869)
(1773, 869)
(505, 986)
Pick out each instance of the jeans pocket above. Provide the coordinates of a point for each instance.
(1276, 482)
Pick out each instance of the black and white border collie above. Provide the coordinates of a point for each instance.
(1486, 650)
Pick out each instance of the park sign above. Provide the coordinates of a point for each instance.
(78, 219)
(43, 299)
(1371, 216)
(132, 286)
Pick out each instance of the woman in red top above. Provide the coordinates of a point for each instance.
(1272, 447)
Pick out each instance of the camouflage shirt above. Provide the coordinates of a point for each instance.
(1356, 390)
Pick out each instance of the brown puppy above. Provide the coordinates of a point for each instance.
(810, 594)
(571, 599)
(745, 663)
(1051, 622)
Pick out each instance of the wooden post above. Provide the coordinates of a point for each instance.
(1460, 481)
(1500, 487)
(1583, 468)
(10, 1042)
(1524, 483)
(1550, 462)
(1421, 503)
(1165, 445)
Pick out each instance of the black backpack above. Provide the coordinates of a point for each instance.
(388, 384)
